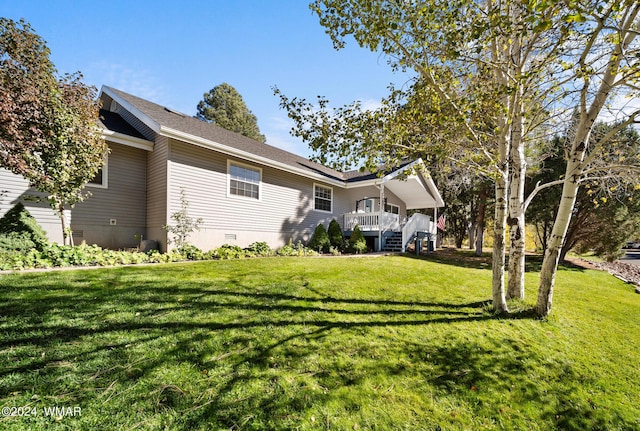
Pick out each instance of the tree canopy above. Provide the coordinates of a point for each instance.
(48, 124)
(26, 83)
(224, 107)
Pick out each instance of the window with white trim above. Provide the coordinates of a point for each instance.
(100, 179)
(392, 208)
(244, 180)
(322, 198)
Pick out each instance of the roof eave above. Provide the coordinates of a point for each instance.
(130, 141)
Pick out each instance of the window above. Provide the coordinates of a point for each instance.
(391, 208)
(100, 179)
(322, 198)
(244, 181)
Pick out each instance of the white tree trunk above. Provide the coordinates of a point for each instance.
(67, 238)
(499, 245)
(552, 254)
(516, 220)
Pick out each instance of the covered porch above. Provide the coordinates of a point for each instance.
(385, 222)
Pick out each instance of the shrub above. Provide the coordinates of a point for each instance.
(320, 240)
(16, 241)
(336, 238)
(296, 250)
(19, 221)
(357, 243)
(227, 251)
(259, 249)
(191, 252)
(334, 251)
(184, 224)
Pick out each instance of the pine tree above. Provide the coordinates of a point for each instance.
(224, 107)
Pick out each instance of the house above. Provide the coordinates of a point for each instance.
(243, 190)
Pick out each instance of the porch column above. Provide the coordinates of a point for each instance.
(435, 223)
(381, 204)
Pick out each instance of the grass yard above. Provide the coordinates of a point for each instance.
(382, 343)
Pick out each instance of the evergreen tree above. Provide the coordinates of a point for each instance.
(320, 240)
(357, 242)
(336, 238)
(224, 107)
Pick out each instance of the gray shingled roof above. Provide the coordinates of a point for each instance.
(169, 118)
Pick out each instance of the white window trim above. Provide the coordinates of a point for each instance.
(248, 166)
(105, 176)
(314, 198)
(393, 205)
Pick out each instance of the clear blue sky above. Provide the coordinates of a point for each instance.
(172, 52)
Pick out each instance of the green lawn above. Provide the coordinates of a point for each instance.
(315, 343)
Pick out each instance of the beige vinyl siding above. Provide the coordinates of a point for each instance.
(14, 189)
(124, 201)
(157, 172)
(284, 210)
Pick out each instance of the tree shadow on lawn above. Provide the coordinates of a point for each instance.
(468, 259)
(253, 359)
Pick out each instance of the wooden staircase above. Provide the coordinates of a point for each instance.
(393, 243)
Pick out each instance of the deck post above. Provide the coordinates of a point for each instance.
(380, 217)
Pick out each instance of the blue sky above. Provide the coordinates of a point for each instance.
(171, 52)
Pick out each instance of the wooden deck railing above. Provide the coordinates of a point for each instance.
(371, 221)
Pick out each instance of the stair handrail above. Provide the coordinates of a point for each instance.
(416, 223)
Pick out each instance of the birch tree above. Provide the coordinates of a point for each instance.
(604, 63)
(480, 57)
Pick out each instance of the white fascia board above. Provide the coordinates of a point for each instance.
(148, 121)
(216, 146)
(397, 172)
(434, 191)
(130, 141)
(378, 181)
(375, 182)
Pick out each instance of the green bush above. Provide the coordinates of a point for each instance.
(191, 252)
(320, 240)
(259, 249)
(227, 251)
(18, 221)
(16, 241)
(357, 243)
(296, 250)
(336, 238)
